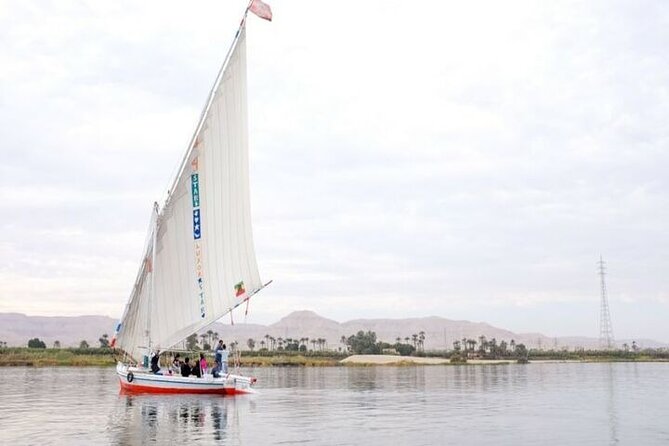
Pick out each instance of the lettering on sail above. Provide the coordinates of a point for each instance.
(197, 232)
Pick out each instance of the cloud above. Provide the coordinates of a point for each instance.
(426, 158)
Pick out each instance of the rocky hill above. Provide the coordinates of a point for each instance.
(17, 329)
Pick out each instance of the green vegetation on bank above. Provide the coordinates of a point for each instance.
(296, 352)
(649, 354)
(264, 358)
(45, 357)
(103, 357)
(81, 357)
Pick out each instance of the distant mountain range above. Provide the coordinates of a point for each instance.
(16, 329)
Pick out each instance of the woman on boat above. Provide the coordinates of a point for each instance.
(203, 364)
(195, 370)
(176, 364)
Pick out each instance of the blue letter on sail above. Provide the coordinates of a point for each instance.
(196, 224)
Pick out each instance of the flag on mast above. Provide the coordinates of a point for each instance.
(261, 9)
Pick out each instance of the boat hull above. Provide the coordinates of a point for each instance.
(137, 380)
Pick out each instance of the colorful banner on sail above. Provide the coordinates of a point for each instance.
(197, 233)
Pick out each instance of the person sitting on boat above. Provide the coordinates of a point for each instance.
(195, 369)
(185, 367)
(176, 364)
(203, 364)
(155, 368)
(216, 370)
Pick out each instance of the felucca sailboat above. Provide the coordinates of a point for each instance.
(199, 262)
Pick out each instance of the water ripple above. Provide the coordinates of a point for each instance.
(464, 405)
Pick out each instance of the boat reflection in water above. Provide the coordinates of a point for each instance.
(169, 419)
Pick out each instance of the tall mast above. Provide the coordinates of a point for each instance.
(149, 301)
(605, 329)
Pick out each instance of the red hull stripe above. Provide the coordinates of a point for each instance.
(138, 388)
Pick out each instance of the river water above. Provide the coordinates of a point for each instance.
(546, 404)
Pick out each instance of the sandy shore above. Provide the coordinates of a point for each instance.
(393, 359)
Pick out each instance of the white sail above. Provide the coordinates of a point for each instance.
(204, 259)
(133, 330)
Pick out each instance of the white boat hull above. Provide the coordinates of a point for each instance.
(140, 380)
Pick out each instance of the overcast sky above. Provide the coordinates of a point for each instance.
(469, 160)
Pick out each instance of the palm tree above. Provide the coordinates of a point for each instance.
(512, 345)
(210, 333)
(262, 344)
(191, 342)
(204, 337)
(421, 340)
(397, 339)
(492, 345)
(414, 339)
(251, 343)
(483, 344)
(313, 344)
(406, 340)
(104, 341)
(456, 345)
(502, 348)
(56, 344)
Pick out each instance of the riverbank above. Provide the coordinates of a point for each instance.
(55, 357)
(394, 360)
(412, 360)
(94, 357)
(98, 357)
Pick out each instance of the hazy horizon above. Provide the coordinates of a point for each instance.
(239, 319)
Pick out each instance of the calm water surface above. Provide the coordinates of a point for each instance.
(561, 404)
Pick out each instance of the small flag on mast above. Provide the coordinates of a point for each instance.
(261, 9)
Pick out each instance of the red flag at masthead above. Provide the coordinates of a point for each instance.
(261, 9)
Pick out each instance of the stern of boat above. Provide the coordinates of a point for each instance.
(239, 384)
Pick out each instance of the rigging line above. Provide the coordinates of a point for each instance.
(251, 294)
(208, 324)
